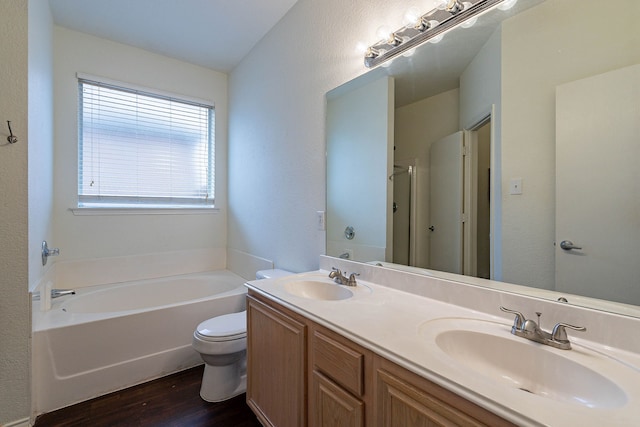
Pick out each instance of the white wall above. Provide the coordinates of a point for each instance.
(359, 123)
(14, 303)
(40, 133)
(277, 121)
(530, 76)
(107, 236)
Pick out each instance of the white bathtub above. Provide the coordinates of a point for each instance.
(109, 337)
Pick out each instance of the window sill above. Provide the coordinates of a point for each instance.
(97, 211)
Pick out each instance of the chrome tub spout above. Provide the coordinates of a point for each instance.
(55, 293)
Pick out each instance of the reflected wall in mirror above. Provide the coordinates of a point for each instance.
(551, 79)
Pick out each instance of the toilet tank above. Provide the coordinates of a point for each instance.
(272, 274)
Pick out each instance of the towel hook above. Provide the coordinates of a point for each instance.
(11, 138)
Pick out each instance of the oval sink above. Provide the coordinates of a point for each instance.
(314, 289)
(489, 349)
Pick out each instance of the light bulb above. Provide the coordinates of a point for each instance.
(361, 48)
(412, 17)
(437, 39)
(507, 4)
(383, 32)
(469, 22)
(409, 53)
(441, 4)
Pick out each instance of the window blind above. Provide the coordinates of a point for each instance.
(139, 149)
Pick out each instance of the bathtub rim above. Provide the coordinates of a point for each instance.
(56, 318)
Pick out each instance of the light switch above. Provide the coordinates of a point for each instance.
(515, 186)
(321, 220)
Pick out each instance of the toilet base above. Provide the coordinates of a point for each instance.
(220, 383)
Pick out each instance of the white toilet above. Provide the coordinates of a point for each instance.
(222, 344)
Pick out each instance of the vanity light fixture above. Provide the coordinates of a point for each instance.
(428, 27)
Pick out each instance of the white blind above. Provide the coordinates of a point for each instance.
(140, 149)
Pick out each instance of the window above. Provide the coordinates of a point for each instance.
(145, 150)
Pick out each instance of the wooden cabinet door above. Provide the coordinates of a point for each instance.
(404, 399)
(276, 366)
(331, 406)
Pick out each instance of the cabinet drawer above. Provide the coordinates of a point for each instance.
(339, 362)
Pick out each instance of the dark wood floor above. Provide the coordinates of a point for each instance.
(168, 401)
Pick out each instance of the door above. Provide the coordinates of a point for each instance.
(332, 405)
(401, 178)
(274, 376)
(404, 211)
(445, 203)
(598, 182)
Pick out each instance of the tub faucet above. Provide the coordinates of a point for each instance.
(55, 293)
(47, 252)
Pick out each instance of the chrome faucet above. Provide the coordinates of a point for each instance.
(529, 329)
(55, 293)
(47, 252)
(340, 279)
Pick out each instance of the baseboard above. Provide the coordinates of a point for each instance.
(19, 423)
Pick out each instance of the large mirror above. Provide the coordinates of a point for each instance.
(506, 151)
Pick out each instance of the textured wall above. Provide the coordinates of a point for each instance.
(14, 303)
(40, 133)
(277, 124)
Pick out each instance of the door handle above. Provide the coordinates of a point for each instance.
(567, 245)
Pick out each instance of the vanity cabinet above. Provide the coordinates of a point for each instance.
(331, 405)
(405, 399)
(340, 393)
(276, 364)
(303, 374)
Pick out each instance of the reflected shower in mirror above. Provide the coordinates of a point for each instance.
(490, 120)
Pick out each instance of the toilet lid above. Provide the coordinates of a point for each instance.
(224, 328)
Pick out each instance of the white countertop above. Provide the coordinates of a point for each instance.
(392, 323)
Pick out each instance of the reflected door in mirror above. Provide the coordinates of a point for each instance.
(598, 186)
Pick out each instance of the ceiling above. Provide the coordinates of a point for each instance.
(436, 68)
(215, 34)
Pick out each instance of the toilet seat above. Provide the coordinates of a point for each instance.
(223, 328)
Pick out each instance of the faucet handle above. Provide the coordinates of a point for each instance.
(559, 334)
(518, 322)
(337, 276)
(352, 279)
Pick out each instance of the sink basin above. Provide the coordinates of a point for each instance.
(318, 290)
(488, 349)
